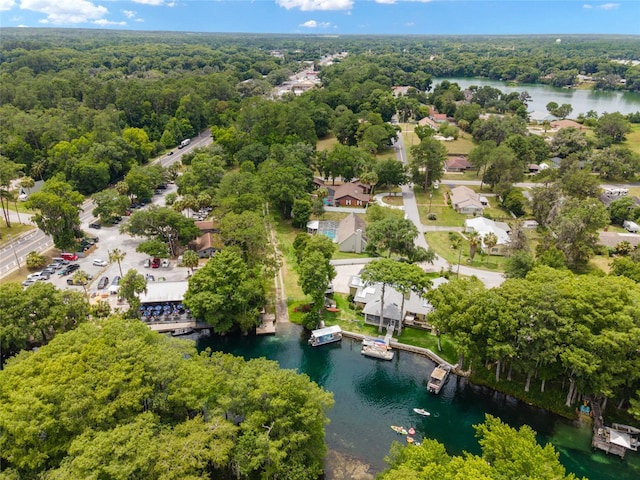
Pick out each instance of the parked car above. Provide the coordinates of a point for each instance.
(100, 263)
(69, 269)
(103, 282)
(71, 257)
(116, 280)
(28, 283)
(95, 225)
(35, 276)
(165, 263)
(76, 281)
(149, 277)
(147, 263)
(50, 269)
(155, 263)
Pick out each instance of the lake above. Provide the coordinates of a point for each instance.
(581, 100)
(371, 395)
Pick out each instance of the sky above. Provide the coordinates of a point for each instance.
(332, 17)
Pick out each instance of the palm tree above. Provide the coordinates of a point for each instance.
(190, 260)
(474, 241)
(490, 241)
(81, 278)
(116, 255)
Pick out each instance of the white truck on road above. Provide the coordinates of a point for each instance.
(184, 143)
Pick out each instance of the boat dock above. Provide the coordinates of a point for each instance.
(616, 439)
(407, 348)
(267, 325)
(164, 327)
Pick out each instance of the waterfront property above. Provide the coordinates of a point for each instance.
(412, 311)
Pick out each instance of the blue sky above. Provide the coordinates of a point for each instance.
(335, 17)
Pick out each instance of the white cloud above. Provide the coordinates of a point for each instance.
(64, 12)
(153, 3)
(129, 13)
(104, 21)
(604, 6)
(311, 5)
(392, 2)
(314, 24)
(6, 5)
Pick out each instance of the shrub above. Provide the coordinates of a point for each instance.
(35, 260)
(432, 216)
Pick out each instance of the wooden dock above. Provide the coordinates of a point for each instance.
(600, 439)
(268, 325)
(163, 327)
(407, 348)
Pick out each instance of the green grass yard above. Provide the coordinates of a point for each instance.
(440, 243)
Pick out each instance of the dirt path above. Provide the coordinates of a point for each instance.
(282, 311)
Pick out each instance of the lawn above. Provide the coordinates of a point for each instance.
(326, 143)
(424, 339)
(440, 243)
(286, 235)
(462, 146)
(9, 234)
(397, 201)
(633, 139)
(445, 215)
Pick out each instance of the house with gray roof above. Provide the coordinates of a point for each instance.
(466, 201)
(350, 235)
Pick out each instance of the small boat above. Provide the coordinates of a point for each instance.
(421, 411)
(325, 335)
(182, 331)
(438, 378)
(400, 430)
(412, 431)
(375, 351)
(410, 440)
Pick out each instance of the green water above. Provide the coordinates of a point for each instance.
(371, 395)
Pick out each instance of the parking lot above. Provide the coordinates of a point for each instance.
(110, 238)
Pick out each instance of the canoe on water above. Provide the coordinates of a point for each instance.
(421, 411)
(400, 430)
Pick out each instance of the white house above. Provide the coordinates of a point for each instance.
(483, 226)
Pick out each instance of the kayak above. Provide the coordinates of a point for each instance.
(421, 411)
(400, 430)
(410, 440)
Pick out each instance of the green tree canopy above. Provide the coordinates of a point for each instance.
(117, 400)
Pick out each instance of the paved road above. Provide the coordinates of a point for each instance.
(490, 279)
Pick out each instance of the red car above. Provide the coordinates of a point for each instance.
(155, 263)
(72, 257)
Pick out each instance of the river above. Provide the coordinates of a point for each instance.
(371, 395)
(581, 101)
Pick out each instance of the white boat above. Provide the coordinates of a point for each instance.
(325, 335)
(382, 352)
(438, 378)
(421, 411)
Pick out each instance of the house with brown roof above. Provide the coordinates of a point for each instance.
(457, 164)
(209, 242)
(350, 194)
(466, 201)
(437, 117)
